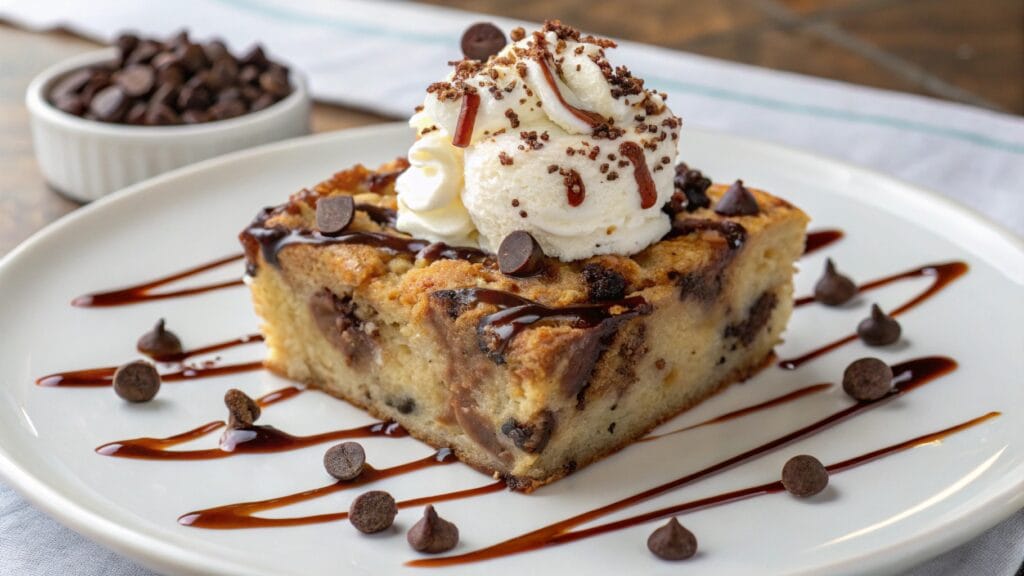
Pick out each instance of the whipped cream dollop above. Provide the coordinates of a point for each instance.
(547, 137)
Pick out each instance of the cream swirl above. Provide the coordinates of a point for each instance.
(545, 137)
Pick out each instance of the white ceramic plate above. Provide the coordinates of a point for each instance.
(882, 516)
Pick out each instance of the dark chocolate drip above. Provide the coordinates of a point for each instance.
(771, 403)
(105, 375)
(256, 439)
(942, 275)
(242, 515)
(495, 331)
(379, 214)
(575, 191)
(734, 233)
(591, 118)
(909, 376)
(143, 292)
(818, 239)
(467, 119)
(644, 183)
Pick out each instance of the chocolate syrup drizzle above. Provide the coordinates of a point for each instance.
(734, 233)
(942, 275)
(143, 292)
(770, 403)
(818, 239)
(104, 376)
(593, 119)
(242, 515)
(641, 173)
(467, 119)
(908, 375)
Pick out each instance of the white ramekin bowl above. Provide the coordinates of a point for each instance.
(84, 159)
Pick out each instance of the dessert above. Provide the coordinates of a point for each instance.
(537, 286)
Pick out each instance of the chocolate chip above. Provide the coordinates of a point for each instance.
(867, 379)
(432, 534)
(160, 343)
(482, 40)
(833, 288)
(672, 541)
(737, 201)
(70, 103)
(345, 461)
(334, 214)
(224, 73)
(194, 96)
(161, 115)
(227, 109)
(191, 56)
(216, 50)
(690, 191)
(274, 83)
(372, 511)
(109, 104)
(520, 255)
(804, 476)
(254, 57)
(125, 44)
(531, 437)
(603, 283)
(143, 53)
(195, 116)
(136, 80)
(879, 329)
(137, 381)
(243, 411)
(71, 84)
(166, 95)
(263, 101)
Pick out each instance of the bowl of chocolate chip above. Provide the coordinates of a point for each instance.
(113, 117)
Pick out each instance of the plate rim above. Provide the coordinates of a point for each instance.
(155, 553)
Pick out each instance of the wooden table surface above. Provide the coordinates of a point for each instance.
(971, 52)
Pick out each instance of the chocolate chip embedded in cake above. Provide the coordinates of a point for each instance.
(518, 374)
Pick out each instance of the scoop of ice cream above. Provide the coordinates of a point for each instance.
(545, 137)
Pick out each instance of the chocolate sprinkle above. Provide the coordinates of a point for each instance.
(833, 288)
(137, 381)
(672, 541)
(879, 329)
(243, 411)
(867, 379)
(432, 534)
(519, 255)
(334, 214)
(373, 511)
(482, 40)
(737, 201)
(804, 476)
(160, 343)
(345, 461)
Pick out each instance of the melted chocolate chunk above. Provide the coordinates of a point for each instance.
(373, 511)
(530, 437)
(337, 319)
(833, 288)
(690, 191)
(345, 461)
(432, 534)
(879, 329)
(243, 411)
(804, 476)
(672, 542)
(160, 343)
(137, 381)
(603, 283)
(334, 214)
(520, 255)
(482, 40)
(737, 201)
(734, 233)
(757, 317)
(867, 379)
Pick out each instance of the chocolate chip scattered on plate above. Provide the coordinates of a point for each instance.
(672, 541)
(345, 461)
(373, 511)
(334, 214)
(879, 329)
(520, 255)
(137, 381)
(482, 40)
(833, 288)
(804, 476)
(432, 534)
(160, 343)
(867, 379)
(243, 411)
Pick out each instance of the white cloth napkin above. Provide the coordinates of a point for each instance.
(381, 55)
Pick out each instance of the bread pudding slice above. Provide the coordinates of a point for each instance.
(526, 378)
